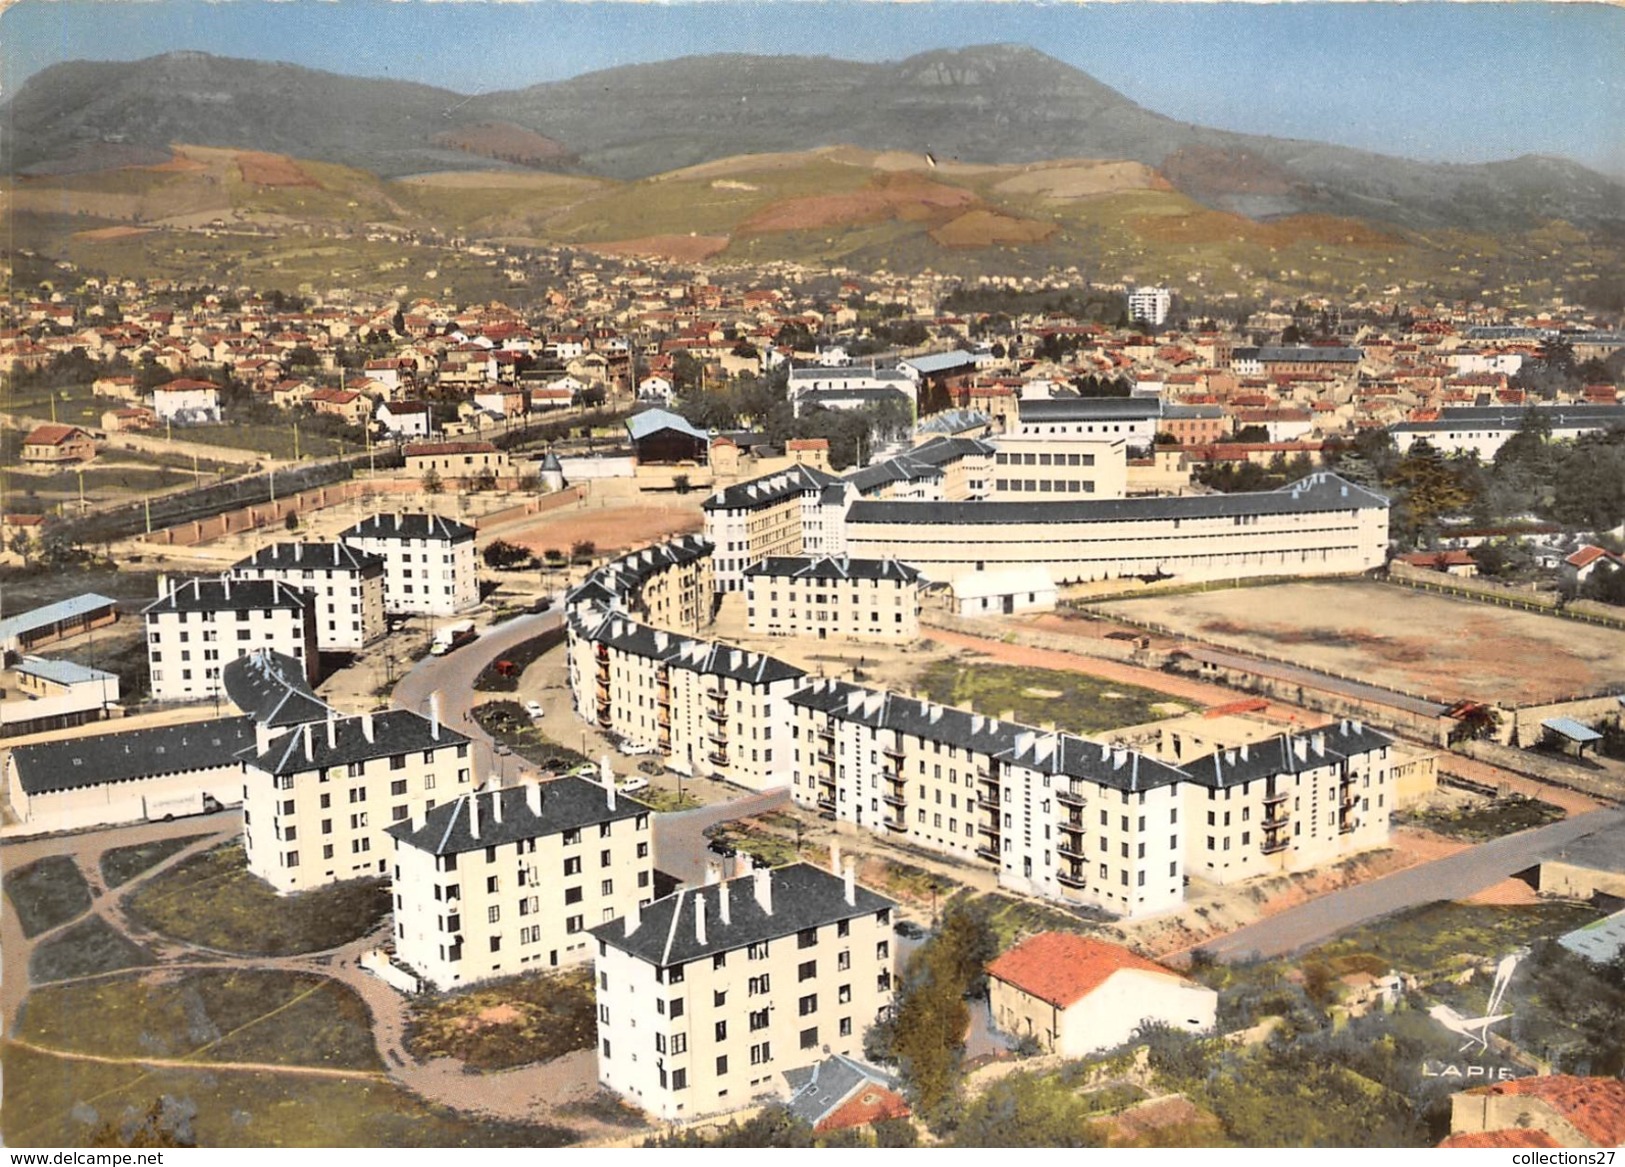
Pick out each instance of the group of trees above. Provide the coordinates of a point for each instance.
(1579, 483)
(759, 403)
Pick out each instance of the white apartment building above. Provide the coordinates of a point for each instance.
(347, 583)
(1131, 420)
(758, 518)
(1483, 430)
(707, 996)
(503, 881)
(319, 799)
(1074, 820)
(1293, 802)
(707, 708)
(429, 562)
(1150, 304)
(667, 585)
(834, 599)
(195, 627)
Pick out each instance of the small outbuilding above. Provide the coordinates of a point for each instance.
(1076, 995)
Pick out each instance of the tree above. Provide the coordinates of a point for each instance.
(681, 483)
(505, 556)
(1024, 1110)
(484, 480)
(431, 481)
(292, 521)
(22, 545)
(582, 551)
(166, 1123)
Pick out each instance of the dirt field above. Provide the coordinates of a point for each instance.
(681, 248)
(272, 170)
(1080, 179)
(902, 196)
(1417, 643)
(611, 529)
(984, 228)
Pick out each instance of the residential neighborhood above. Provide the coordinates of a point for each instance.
(702, 697)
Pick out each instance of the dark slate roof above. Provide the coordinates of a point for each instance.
(409, 526)
(1038, 409)
(1011, 742)
(551, 463)
(396, 731)
(272, 689)
(680, 652)
(567, 803)
(312, 557)
(135, 753)
(1322, 491)
(769, 488)
(803, 896)
(1287, 754)
(818, 1091)
(1175, 412)
(621, 579)
(1342, 356)
(831, 567)
(230, 595)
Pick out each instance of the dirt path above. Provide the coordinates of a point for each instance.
(185, 1064)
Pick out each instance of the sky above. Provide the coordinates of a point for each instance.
(1456, 82)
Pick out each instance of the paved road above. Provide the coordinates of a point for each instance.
(452, 675)
(1455, 877)
(680, 846)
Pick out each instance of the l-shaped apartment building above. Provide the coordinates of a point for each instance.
(1052, 813)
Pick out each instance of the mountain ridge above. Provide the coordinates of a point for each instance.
(996, 104)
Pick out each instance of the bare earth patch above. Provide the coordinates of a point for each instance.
(681, 248)
(103, 233)
(611, 529)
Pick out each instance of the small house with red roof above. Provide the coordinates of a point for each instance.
(1588, 559)
(1570, 1110)
(1075, 995)
(55, 445)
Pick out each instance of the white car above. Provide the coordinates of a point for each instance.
(635, 784)
(534, 709)
(633, 751)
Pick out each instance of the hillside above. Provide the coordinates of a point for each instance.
(988, 105)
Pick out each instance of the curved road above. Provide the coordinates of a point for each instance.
(452, 675)
(680, 848)
(1454, 877)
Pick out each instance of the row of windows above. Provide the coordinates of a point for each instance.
(1044, 459)
(1044, 485)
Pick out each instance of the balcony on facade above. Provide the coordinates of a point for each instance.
(896, 800)
(1072, 851)
(1273, 797)
(1071, 795)
(1071, 876)
(1274, 846)
(1275, 821)
(717, 757)
(1348, 826)
(893, 752)
(991, 854)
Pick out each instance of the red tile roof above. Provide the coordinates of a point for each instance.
(52, 435)
(1063, 968)
(1593, 1106)
(1584, 557)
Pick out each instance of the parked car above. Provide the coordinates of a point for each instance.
(909, 930)
(635, 784)
(633, 750)
(534, 709)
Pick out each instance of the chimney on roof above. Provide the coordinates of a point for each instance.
(310, 752)
(849, 878)
(722, 903)
(741, 864)
(634, 917)
(163, 584)
(699, 919)
(474, 815)
(335, 555)
(1318, 743)
(332, 728)
(762, 885)
(533, 798)
(834, 857)
(419, 818)
(434, 715)
(366, 726)
(225, 586)
(496, 805)
(712, 874)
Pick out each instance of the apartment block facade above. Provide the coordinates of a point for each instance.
(503, 881)
(197, 626)
(319, 799)
(707, 708)
(347, 583)
(833, 599)
(429, 562)
(755, 519)
(706, 996)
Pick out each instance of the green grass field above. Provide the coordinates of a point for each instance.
(1075, 702)
(88, 948)
(211, 900)
(122, 864)
(47, 893)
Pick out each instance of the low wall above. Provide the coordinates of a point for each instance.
(1523, 729)
(537, 505)
(611, 466)
(1544, 768)
(1487, 591)
(377, 962)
